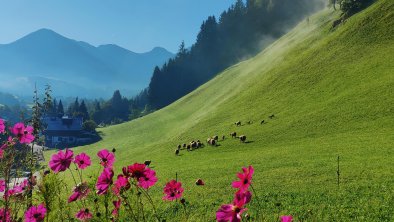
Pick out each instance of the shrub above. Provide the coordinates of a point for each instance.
(350, 7)
(89, 125)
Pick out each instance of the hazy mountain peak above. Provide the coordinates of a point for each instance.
(44, 56)
(160, 49)
(42, 34)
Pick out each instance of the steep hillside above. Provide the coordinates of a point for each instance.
(45, 57)
(332, 94)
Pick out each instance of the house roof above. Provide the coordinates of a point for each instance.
(63, 124)
(75, 133)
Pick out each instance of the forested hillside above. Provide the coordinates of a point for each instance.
(239, 33)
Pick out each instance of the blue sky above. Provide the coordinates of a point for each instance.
(135, 25)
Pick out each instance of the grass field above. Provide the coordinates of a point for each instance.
(332, 93)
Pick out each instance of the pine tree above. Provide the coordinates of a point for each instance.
(97, 106)
(83, 111)
(75, 108)
(60, 109)
(47, 105)
(54, 108)
(182, 50)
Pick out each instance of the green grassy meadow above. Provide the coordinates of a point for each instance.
(332, 93)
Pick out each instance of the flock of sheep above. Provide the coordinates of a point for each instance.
(213, 141)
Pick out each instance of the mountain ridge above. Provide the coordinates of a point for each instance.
(45, 54)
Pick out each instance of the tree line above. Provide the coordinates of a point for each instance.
(115, 110)
(241, 31)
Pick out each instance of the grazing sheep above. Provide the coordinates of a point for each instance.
(208, 140)
(212, 142)
(199, 144)
(215, 137)
(188, 147)
(179, 146)
(223, 137)
(184, 145)
(262, 122)
(238, 123)
(233, 135)
(242, 138)
(193, 144)
(177, 152)
(147, 162)
(272, 116)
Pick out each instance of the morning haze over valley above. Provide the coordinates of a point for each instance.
(228, 110)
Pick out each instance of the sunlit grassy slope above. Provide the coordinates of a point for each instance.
(332, 94)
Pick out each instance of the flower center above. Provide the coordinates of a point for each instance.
(81, 162)
(37, 215)
(138, 174)
(236, 209)
(63, 162)
(246, 181)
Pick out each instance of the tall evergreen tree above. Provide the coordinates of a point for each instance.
(119, 106)
(75, 107)
(83, 111)
(54, 107)
(47, 105)
(60, 109)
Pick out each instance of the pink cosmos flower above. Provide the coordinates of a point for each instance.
(125, 172)
(148, 179)
(7, 217)
(104, 181)
(82, 160)
(287, 218)
(116, 204)
(84, 215)
(24, 134)
(173, 190)
(121, 184)
(79, 192)
(136, 170)
(10, 142)
(245, 179)
(8, 194)
(18, 189)
(233, 212)
(2, 126)
(35, 213)
(107, 158)
(145, 176)
(23, 186)
(2, 185)
(61, 161)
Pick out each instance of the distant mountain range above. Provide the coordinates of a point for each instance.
(74, 68)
